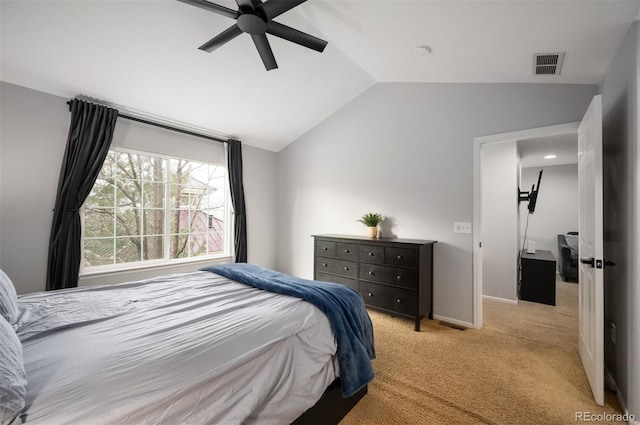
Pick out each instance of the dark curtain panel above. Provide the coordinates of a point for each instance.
(90, 135)
(234, 164)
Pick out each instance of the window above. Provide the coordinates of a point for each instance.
(151, 208)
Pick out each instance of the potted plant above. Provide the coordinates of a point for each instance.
(371, 220)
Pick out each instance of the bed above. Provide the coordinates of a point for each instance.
(191, 348)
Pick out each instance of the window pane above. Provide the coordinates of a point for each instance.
(153, 169)
(153, 247)
(127, 166)
(153, 195)
(128, 193)
(179, 172)
(198, 244)
(179, 196)
(128, 249)
(98, 222)
(128, 222)
(153, 222)
(179, 221)
(215, 242)
(179, 247)
(98, 252)
(102, 194)
(199, 221)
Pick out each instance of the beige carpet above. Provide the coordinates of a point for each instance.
(523, 367)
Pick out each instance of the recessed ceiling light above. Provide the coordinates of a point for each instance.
(422, 50)
(549, 156)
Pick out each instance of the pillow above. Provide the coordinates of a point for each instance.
(572, 241)
(13, 383)
(8, 299)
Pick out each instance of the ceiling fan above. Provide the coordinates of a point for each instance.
(256, 19)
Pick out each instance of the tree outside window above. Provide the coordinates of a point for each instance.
(145, 207)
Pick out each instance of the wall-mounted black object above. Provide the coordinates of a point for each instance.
(256, 19)
(532, 196)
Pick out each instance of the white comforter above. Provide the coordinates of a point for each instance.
(191, 348)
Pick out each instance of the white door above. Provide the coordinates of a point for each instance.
(591, 264)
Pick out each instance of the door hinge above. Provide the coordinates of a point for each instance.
(598, 264)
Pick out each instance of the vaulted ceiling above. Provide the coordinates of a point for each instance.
(143, 54)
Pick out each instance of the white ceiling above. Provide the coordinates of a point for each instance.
(143, 54)
(564, 147)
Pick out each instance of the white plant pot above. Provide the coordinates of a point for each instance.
(372, 232)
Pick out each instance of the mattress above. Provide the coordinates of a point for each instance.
(191, 348)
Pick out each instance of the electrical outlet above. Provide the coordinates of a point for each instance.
(613, 333)
(461, 227)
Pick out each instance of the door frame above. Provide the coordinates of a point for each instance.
(478, 143)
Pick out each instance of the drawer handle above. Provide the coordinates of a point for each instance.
(370, 294)
(399, 301)
(346, 268)
(324, 264)
(371, 254)
(399, 257)
(398, 277)
(346, 250)
(371, 273)
(325, 248)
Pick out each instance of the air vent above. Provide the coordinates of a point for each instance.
(547, 63)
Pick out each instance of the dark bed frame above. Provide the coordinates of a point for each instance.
(331, 408)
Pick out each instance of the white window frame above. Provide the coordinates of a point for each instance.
(226, 255)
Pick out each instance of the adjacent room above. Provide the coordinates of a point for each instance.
(319, 212)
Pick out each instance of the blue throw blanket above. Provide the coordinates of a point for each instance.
(342, 305)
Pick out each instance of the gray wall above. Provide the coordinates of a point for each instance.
(406, 151)
(500, 220)
(557, 206)
(621, 163)
(33, 133)
(33, 129)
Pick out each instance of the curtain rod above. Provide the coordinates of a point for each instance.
(166, 127)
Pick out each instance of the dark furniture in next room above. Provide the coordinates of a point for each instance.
(538, 277)
(392, 275)
(568, 257)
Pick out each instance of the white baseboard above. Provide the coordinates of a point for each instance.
(500, 300)
(453, 321)
(619, 398)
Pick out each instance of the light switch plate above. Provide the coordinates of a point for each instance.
(462, 227)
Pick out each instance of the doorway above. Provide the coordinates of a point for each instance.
(479, 143)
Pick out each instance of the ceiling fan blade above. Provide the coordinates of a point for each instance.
(295, 36)
(212, 7)
(262, 44)
(273, 8)
(220, 39)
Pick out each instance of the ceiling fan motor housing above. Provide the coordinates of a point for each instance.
(252, 23)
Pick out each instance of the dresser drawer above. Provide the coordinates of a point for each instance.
(347, 251)
(403, 257)
(389, 275)
(325, 248)
(371, 254)
(393, 299)
(339, 267)
(337, 279)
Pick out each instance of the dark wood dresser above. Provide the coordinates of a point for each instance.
(392, 275)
